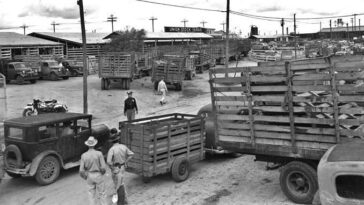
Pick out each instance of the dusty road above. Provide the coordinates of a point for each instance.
(221, 180)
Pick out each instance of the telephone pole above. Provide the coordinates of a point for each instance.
(330, 30)
(203, 23)
(112, 19)
(223, 26)
(227, 37)
(24, 27)
(282, 25)
(295, 36)
(184, 22)
(153, 19)
(85, 69)
(54, 24)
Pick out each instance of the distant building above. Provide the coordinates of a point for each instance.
(18, 46)
(342, 32)
(269, 38)
(72, 42)
(168, 29)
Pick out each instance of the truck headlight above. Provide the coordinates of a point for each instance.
(60, 69)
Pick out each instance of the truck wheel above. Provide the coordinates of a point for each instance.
(19, 79)
(178, 86)
(180, 169)
(156, 85)
(48, 170)
(298, 182)
(102, 83)
(65, 77)
(74, 73)
(54, 76)
(107, 84)
(127, 84)
(146, 179)
(33, 81)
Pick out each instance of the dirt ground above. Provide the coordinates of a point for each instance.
(217, 180)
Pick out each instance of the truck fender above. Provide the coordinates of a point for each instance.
(36, 161)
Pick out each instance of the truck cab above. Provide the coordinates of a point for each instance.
(341, 175)
(19, 71)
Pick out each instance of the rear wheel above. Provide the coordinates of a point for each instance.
(65, 77)
(33, 81)
(298, 182)
(102, 83)
(48, 170)
(54, 76)
(180, 169)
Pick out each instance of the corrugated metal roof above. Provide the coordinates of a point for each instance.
(91, 38)
(343, 29)
(168, 35)
(16, 39)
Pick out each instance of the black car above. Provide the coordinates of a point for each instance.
(74, 69)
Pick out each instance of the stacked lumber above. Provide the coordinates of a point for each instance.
(157, 141)
(297, 106)
(116, 65)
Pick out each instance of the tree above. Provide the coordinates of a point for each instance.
(127, 41)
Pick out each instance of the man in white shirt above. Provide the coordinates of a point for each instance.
(162, 87)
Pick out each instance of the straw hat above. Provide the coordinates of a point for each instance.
(91, 141)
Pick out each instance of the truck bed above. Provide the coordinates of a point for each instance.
(116, 65)
(289, 109)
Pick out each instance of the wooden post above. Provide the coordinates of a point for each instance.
(188, 138)
(141, 151)
(335, 96)
(213, 103)
(250, 105)
(169, 147)
(154, 150)
(290, 106)
(202, 137)
(227, 37)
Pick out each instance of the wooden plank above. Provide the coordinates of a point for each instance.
(250, 106)
(290, 106)
(335, 103)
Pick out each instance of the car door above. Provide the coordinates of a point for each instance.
(83, 132)
(11, 73)
(67, 141)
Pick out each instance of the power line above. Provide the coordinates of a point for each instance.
(180, 6)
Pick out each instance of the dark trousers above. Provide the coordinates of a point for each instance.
(122, 195)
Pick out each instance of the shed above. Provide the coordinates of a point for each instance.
(18, 46)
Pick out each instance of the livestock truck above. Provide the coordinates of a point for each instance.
(288, 113)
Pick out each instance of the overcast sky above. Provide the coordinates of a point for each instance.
(39, 14)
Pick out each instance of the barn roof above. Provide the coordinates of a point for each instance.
(167, 35)
(91, 38)
(16, 39)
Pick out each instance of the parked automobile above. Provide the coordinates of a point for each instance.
(41, 107)
(42, 145)
(52, 70)
(75, 70)
(19, 71)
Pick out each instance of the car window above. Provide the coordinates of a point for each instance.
(19, 65)
(49, 131)
(67, 128)
(16, 133)
(45, 64)
(11, 66)
(82, 124)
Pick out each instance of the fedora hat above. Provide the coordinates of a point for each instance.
(91, 141)
(129, 92)
(114, 137)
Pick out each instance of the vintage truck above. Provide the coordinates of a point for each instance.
(288, 113)
(51, 69)
(172, 73)
(117, 67)
(18, 71)
(41, 146)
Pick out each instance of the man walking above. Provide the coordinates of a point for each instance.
(117, 157)
(92, 169)
(130, 106)
(162, 87)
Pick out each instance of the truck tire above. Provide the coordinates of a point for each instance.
(53, 76)
(298, 182)
(19, 79)
(180, 169)
(107, 84)
(127, 84)
(48, 170)
(102, 83)
(33, 81)
(178, 86)
(65, 78)
(13, 153)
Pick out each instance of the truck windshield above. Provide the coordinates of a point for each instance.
(19, 65)
(16, 133)
(53, 64)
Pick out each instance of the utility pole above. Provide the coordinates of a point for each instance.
(203, 23)
(112, 19)
(54, 24)
(330, 30)
(360, 30)
(282, 25)
(184, 22)
(223, 26)
(153, 19)
(355, 21)
(295, 36)
(85, 69)
(24, 27)
(287, 31)
(227, 37)
(347, 30)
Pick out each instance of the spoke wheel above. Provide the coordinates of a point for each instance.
(48, 170)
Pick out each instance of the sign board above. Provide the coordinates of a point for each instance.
(186, 29)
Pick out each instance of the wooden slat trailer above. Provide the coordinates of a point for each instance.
(290, 113)
(118, 68)
(165, 143)
(172, 73)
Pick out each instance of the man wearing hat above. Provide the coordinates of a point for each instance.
(117, 157)
(92, 169)
(130, 106)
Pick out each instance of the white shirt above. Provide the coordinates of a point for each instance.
(162, 85)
